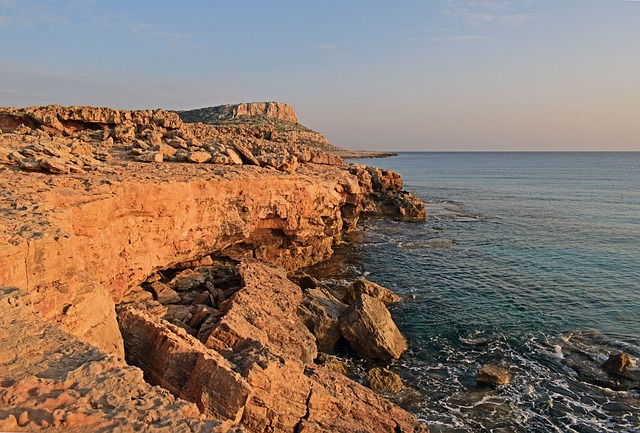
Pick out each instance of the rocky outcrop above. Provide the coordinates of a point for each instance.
(368, 327)
(51, 380)
(320, 311)
(363, 286)
(493, 374)
(264, 310)
(251, 369)
(275, 110)
(89, 228)
(384, 195)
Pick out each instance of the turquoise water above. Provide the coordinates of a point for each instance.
(527, 259)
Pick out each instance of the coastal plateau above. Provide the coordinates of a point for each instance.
(149, 273)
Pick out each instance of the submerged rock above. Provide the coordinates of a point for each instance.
(368, 327)
(617, 363)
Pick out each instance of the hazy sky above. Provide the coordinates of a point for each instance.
(401, 75)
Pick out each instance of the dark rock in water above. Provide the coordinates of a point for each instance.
(320, 311)
(403, 205)
(384, 381)
(362, 286)
(617, 363)
(333, 364)
(368, 327)
(493, 374)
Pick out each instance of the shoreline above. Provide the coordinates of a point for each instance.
(116, 242)
(361, 154)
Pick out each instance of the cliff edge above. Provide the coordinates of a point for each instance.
(166, 244)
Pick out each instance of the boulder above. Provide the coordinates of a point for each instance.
(493, 374)
(151, 157)
(246, 154)
(198, 157)
(286, 163)
(163, 293)
(617, 363)
(264, 310)
(362, 286)
(187, 280)
(320, 311)
(332, 363)
(167, 150)
(384, 381)
(368, 327)
(234, 156)
(55, 165)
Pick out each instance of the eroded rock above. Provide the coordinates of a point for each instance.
(320, 311)
(493, 374)
(384, 381)
(363, 286)
(368, 327)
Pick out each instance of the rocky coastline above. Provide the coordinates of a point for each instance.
(150, 274)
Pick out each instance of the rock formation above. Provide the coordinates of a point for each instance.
(112, 210)
(493, 374)
(362, 286)
(275, 110)
(384, 381)
(368, 327)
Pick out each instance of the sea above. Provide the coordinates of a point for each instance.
(526, 260)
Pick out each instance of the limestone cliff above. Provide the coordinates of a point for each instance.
(97, 201)
(274, 110)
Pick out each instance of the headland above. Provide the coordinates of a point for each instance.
(149, 273)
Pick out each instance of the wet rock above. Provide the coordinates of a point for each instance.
(384, 381)
(363, 286)
(320, 311)
(493, 374)
(368, 327)
(617, 363)
(332, 363)
(403, 205)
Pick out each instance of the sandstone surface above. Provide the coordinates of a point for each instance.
(363, 286)
(109, 211)
(368, 327)
(50, 380)
(384, 381)
(320, 311)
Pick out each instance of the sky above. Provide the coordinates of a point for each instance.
(429, 75)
